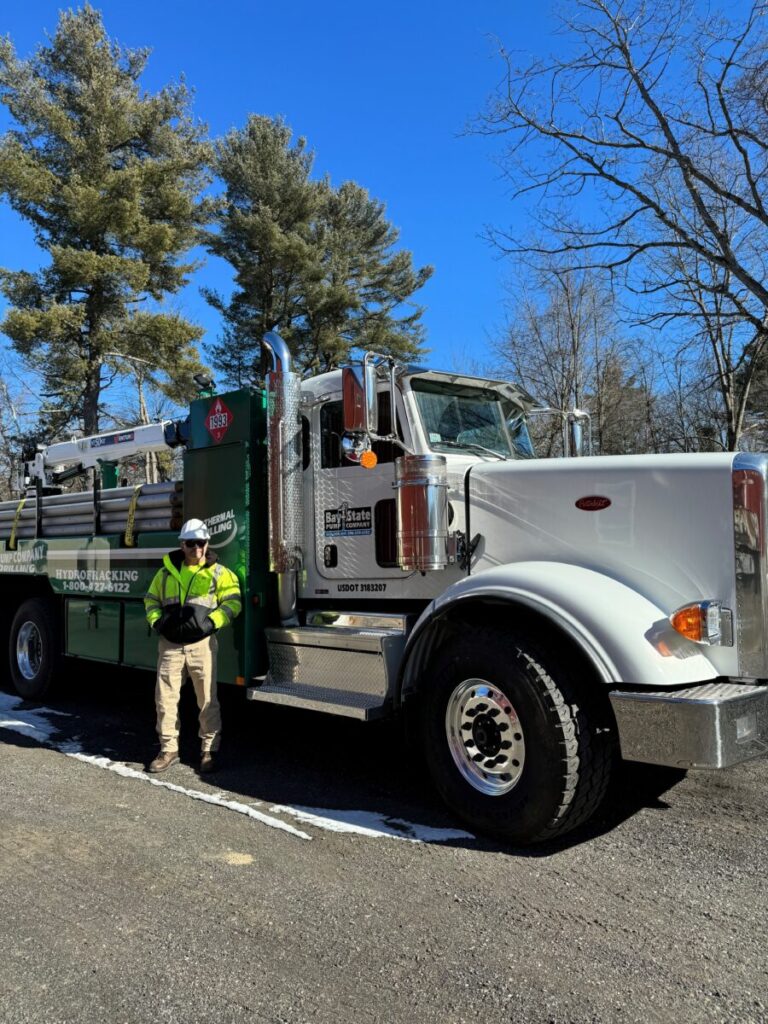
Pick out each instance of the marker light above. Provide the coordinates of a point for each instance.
(368, 460)
(701, 622)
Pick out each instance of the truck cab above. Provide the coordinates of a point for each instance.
(351, 512)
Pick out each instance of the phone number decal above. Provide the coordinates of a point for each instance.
(105, 581)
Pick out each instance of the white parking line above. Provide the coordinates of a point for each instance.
(40, 724)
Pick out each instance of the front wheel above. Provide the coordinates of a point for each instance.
(516, 745)
(33, 649)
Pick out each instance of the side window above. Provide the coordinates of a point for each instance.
(386, 451)
(305, 443)
(332, 431)
(385, 522)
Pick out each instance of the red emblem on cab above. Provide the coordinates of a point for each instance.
(593, 503)
(219, 420)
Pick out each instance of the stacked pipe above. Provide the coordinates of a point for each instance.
(158, 507)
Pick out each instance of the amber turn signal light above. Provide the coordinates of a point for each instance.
(689, 622)
(368, 460)
(704, 622)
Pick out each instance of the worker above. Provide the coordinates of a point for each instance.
(190, 599)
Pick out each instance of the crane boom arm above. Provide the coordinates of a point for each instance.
(88, 452)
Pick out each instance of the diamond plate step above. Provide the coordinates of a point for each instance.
(335, 702)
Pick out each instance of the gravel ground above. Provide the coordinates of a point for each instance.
(126, 902)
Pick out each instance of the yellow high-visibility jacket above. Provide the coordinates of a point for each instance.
(186, 604)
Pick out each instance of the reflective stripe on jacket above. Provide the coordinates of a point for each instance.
(213, 589)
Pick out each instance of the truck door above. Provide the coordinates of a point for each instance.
(354, 508)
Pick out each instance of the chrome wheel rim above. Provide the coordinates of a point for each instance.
(485, 737)
(29, 650)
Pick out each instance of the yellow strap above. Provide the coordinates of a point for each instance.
(12, 538)
(129, 542)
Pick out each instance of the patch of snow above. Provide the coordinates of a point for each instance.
(218, 799)
(39, 724)
(369, 823)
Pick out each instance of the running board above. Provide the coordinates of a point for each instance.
(334, 702)
(342, 664)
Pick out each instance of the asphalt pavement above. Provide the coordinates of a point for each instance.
(316, 878)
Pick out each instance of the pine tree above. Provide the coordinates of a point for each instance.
(264, 221)
(109, 177)
(363, 282)
(316, 263)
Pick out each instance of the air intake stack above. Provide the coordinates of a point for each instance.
(421, 482)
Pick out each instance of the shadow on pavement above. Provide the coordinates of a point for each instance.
(301, 758)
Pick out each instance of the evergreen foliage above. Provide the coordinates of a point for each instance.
(109, 177)
(314, 262)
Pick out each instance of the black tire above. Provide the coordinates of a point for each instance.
(516, 747)
(34, 649)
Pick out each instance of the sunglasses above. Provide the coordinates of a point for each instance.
(194, 543)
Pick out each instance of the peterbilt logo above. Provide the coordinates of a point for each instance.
(593, 503)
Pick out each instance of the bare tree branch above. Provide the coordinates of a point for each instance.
(656, 125)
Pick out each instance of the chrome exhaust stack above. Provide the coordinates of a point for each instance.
(284, 471)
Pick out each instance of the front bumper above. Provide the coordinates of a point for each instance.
(712, 725)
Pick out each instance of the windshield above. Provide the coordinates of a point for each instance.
(471, 418)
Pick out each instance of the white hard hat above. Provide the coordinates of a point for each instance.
(194, 529)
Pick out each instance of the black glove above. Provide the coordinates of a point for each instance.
(209, 626)
(155, 627)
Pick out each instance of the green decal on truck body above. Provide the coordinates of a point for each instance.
(91, 565)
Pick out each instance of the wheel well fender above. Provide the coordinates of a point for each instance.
(455, 619)
(618, 635)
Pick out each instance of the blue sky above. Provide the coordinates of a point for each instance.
(381, 92)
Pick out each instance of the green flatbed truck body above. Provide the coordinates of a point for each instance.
(101, 581)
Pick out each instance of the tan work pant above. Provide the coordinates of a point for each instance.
(199, 661)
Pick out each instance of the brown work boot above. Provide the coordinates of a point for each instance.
(207, 762)
(163, 761)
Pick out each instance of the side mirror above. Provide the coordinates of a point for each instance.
(358, 387)
(354, 446)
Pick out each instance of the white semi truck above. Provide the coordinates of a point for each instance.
(403, 553)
